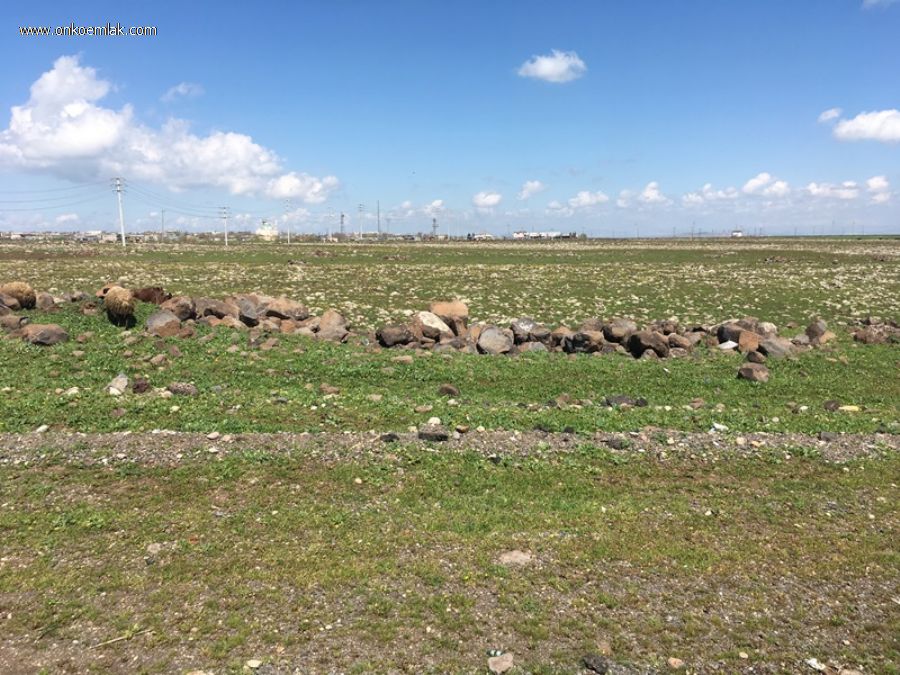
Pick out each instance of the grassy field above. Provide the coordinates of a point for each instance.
(392, 563)
(348, 554)
(702, 281)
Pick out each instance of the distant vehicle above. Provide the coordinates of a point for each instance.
(737, 234)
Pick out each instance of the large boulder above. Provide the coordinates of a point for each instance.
(44, 301)
(285, 308)
(217, 308)
(494, 340)
(643, 340)
(729, 332)
(583, 342)
(815, 330)
(44, 335)
(393, 335)
(12, 322)
(522, 329)
(163, 324)
(332, 327)
(619, 330)
(454, 313)
(776, 347)
(10, 302)
(748, 341)
(431, 326)
(181, 306)
(248, 310)
(755, 372)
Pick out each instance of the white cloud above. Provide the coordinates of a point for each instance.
(880, 189)
(759, 181)
(182, 89)
(878, 125)
(63, 130)
(302, 186)
(846, 190)
(555, 208)
(64, 218)
(830, 114)
(434, 208)
(624, 199)
(779, 188)
(531, 188)
(692, 199)
(871, 4)
(586, 198)
(651, 194)
(487, 200)
(557, 67)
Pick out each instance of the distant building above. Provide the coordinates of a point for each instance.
(267, 232)
(736, 234)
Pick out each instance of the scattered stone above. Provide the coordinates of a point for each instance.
(776, 347)
(375, 398)
(332, 327)
(327, 389)
(643, 340)
(389, 437)
(433, 432)
(622, 400)
(493, 340)
(406, 359)
(596, 663)
(849, 408)
(44, 302)
(815, 330)
(755, 372)
(828, 436)
(117, 385)
(158, 360)
(501, 664)
(448, 389)
(140, 386)
(748, 341)
(831, 405)
(675, 663)
(430, 325)
(163, 324)
(44, 335)
(183, 389)
(756, 357)
(728, 345)
(515, 558)
(181, 306)
(393, 335)
(253, 664)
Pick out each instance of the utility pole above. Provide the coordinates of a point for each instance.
(223, 210)
(359, 228)
(378, 211)
(287, 211)
(119, 191)
(434, 228)
(162, 226)
(342, 224)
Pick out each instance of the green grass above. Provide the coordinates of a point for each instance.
(252, 390)
(260, 553)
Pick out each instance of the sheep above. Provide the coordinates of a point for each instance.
(21, 291)
(119, 305)
(152, 294)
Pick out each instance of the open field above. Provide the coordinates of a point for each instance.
(738, 526)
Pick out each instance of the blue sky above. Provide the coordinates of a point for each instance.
(616, 115)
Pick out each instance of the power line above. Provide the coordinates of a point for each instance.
(54, 206)
(79, 186)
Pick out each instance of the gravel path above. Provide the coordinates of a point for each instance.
(169, 447)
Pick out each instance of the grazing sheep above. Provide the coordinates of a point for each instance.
(119, 305)
(153, 294)
(22, 292)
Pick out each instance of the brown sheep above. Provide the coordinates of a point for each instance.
(152, 294)
(119, 305)
(21, 291)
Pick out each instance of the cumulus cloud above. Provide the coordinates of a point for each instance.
(433, 208)
(302, 186)
(879, 188)
(487, 200)
(756, 183)
(847, 190)
(624, 199)
(556, 208)
(830, 114)
(652, 195)
(878, 125)
(65, 131)
(182, 90)
(531, 188)
(557, 67)
(587, 198)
